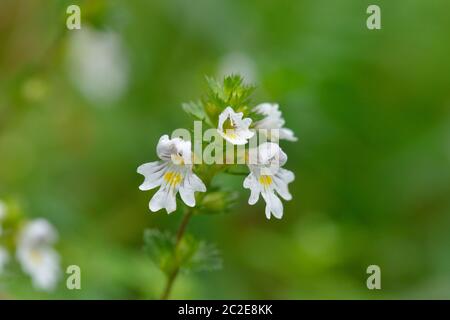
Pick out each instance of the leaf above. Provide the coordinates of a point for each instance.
(207, 258)
(215, 88)
(200, 256)
(160, 247)
(189, 255)
(232, 91)
(194, 109)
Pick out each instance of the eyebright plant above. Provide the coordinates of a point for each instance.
(32, 241)
(238, 136)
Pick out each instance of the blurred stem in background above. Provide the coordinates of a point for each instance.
(173, 275)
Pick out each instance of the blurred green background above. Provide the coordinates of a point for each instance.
(81, 109)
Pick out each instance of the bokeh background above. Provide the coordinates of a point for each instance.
(81, 109)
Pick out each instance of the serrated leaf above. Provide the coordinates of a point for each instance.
(160, 247)
(215, 88)
(189, 255)
(232, 91)
(206, 258)
(200, 256)
(194, 109)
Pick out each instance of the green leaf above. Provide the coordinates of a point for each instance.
(232, 91)
(160, 247)
(189, 255)
(194, 109)
(199, 256)
(215, 88)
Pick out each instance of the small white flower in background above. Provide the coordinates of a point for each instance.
(269, 179)
(238, 63)
(97, 64)
(173, 173)
(233, 128)
(36, 255)
(273, 119)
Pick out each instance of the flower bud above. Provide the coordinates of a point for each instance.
(218, 202)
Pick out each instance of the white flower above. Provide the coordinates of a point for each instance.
(4, 258)
(36, 255)
(238, 63)
(267, 177)
(233, 128)
(273, 119)
(97, 64)
(173, 173)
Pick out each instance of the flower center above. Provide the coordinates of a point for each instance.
(228, 124)
(36, 256)
(173, 178)
(177, 159)
(265, 180)
(229, 129)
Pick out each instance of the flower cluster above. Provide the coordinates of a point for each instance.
(227, 110)
(33, 243)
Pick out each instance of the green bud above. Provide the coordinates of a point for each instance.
(218, 202)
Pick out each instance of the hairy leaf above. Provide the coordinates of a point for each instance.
(200, 256)
(160, 247)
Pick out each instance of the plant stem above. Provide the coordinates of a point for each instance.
(182, 227)
(173, 275)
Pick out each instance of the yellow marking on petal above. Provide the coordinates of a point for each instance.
(265, 180)
(35, 256)
(173, 178)
(231, 134)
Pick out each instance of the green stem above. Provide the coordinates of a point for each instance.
(173, 275)
(180, 233)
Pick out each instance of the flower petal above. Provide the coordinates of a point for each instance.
(282, 189)
(163, 198)
(196, 183)
(191, 184)
(251, 183)
(233, 138)
(240, 132)
(273, 120)
(41, 263)
(287, 175)
(287, 134)
(153, 173)
(164, 148)
(273, 205)
(38, 231)
(270, 154)
(188, 196)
